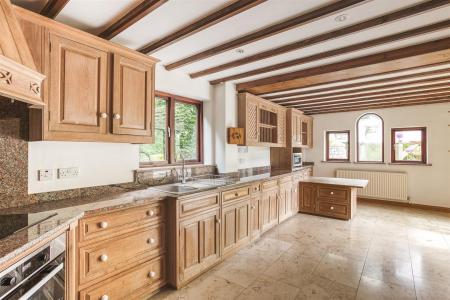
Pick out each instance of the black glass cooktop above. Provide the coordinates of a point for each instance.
(12, 223)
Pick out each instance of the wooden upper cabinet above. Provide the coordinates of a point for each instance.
(264, 122)
(133, 97)
(78, 87)
(299, 129)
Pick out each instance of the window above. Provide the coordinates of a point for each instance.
(409, 145)
(369, 137)
(337, 143)
(176, 117)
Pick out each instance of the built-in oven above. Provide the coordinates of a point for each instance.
(297, 160)
(38, 276)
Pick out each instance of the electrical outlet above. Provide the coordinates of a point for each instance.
(45, 174)
(68, 172)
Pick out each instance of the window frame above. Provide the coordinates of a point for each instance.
(423, 146)
(327, 145)
(382, 141)
(171, 99)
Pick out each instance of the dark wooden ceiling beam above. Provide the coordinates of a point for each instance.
(53, 7)
(377, 106)
(433, 52)
(390, 88)
(324, 37)
(423, 95)
(131, 17)
(340, 51)
(267, 31)
(217, 16)
(368, 83)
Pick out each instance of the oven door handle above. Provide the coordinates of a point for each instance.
(41, 283)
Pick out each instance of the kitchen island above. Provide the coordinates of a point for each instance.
(330, 197)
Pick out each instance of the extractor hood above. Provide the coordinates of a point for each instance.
(18, 76)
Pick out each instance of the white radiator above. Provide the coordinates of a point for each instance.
(382, 185)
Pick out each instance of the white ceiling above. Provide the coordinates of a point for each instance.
(95, 15)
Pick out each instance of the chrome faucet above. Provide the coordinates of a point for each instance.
(183, 169)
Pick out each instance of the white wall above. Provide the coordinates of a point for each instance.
(98, 163)
(429, 185)
(228, 157)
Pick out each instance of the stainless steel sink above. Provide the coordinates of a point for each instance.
(175, 188)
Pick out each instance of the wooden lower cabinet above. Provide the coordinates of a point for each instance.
(328, 200)
(122, 253)
(236, 226)
(285, 201)
(199, 245)
(139, 282)
(269, 209)
(255, 216)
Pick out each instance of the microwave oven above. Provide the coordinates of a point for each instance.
(297, 160)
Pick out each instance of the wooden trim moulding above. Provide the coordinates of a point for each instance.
(418, 55)
(131, 17)
(336, 52)
(405, 204)
(267, 31)
(217, 16)
(53, 7)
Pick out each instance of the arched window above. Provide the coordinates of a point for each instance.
(369, 138)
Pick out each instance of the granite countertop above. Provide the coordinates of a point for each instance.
(358, 183)
(70, 210)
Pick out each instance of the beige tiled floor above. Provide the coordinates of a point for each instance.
(385, 252)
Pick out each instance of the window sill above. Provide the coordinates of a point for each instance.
(336, 161)
(411, 164)
(143, 168)
(369, 163)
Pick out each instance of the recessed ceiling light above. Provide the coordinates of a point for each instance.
(341, 18)
(240, 51)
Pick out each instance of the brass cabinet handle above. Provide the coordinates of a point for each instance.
(104, 115)
(104, 297)
(331, 193)
(151, 241)
(116, 117)
(152, 274)
(332, 207)
(150, 213)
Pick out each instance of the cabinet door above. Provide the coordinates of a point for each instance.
(133, 97)
(255, 217)
(281, 127)
(295, 201)
(285, 201)
(269, 207)
(236, 226)
(252, 128)
(78, 87)
(199, 242)
(307, 197)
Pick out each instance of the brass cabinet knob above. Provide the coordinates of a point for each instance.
(103, 115)
(116, 117)
(104, 297)
(218, 221)
(253, 207)
(151, 241)
(332, 193)
(150, 213)
(103, 257)
(103, 224)
(236, 194)
(332, 208)
(152, 274)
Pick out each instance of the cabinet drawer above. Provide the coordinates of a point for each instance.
(136, 283)
(107, 225)
(267, 185)
(333, 209)
(332, 193)
(102, 259)
(201, 203)
(255, 188)
(235, 194)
